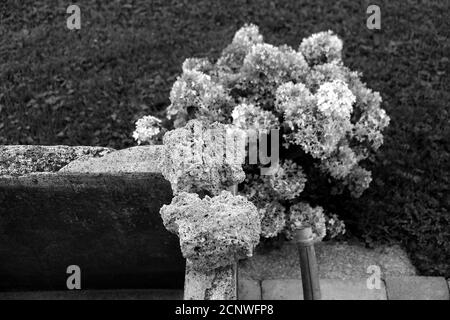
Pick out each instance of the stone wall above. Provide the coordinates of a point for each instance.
(98, 208)
(93, 207)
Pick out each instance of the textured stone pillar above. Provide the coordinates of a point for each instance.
(216, 228)
(214, 234)
(216, 284)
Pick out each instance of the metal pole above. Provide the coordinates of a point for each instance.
(308, 264)
(233, 190)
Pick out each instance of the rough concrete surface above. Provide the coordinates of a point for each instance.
(214, 231)
(135, 159)
(196, 158)
(217, 284)
(335, 260)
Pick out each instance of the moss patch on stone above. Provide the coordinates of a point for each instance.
(23, 159)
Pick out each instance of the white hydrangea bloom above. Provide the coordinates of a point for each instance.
(335, 226)
(367, 99)
(370, 126)
(329, 72)
(294, 63)
(262, 58)
(318, 131)
(248, 116)
(288, 181)
(240, 114)
(298, 106)
(291, 99)
(332, 131)
(334, 99)
(340, 164)
(318, 103)
(276, 64)
(273, 218)
(322, 47)
(196, 64)
(195, 95)
(147, 128)
(301, 215)
(248, 35)
(233, 55)
(358, 180)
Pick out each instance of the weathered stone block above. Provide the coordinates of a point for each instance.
(22, 159)
(417, 288)
(108, 223)
(213, 232)
(197, 158)
(216, 284)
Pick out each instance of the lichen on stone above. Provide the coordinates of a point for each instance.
(203, 158)
(19, 160)
(213, 231)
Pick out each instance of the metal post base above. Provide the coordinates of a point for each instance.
(308, 264)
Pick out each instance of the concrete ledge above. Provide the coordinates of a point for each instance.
(417, 288)
(107, 222)
(135, 159)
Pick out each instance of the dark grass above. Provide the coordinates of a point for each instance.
(88, 87)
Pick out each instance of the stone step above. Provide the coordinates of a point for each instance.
(392, 288)
(417, 288)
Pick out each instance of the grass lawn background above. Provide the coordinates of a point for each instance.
(88, 87)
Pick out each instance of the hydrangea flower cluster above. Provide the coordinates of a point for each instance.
(317, 122)
(322, 47)
(250, 117)
(268, 193)
(301, 214)
(148, 130)
(195, 95)
(329, 121)
(288, 181)
(334, 226)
